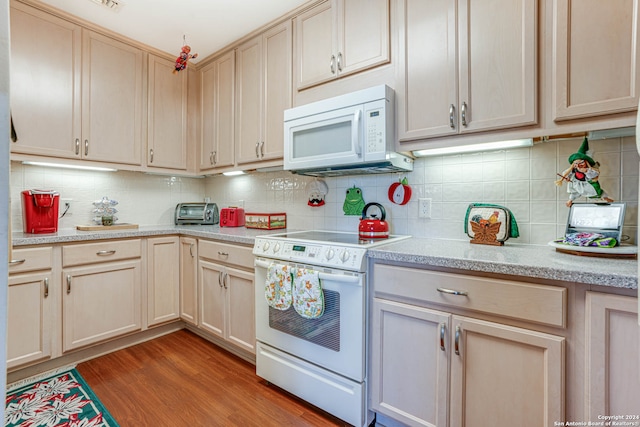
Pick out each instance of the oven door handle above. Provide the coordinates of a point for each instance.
(323, 276)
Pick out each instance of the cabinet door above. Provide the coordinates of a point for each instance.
(207, 147)
(111, 100)
(249, 101)
(498, 63)
(277, 89)
(315, 46)
(212, 298)
(29, 319)
(240, 289)
(363, 35)
(505, 376)
(612, 371)
(189, 280)
(595, 57)
(410, 369)
(427, 82)
(167, 115)
(45, 83)
(100, 302)
(218, 82)
(163, 280)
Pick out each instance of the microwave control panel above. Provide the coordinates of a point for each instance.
(376, 127)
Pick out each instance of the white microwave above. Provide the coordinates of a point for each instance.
(345, 135)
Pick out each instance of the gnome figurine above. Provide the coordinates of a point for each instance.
(582, 177)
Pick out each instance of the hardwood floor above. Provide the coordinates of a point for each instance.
(183, 380)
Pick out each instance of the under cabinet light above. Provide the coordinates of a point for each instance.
(60, 165)
(233, 173)
(487, 146)
(612, 133)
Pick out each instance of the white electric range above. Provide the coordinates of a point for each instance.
(322, 360)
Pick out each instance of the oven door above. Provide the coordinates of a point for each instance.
(331, 138)
(334, 341)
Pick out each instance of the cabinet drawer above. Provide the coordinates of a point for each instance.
(240, 256)
(31, 259)
(542, 304)
(91, 253)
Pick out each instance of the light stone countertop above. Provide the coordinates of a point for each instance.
(511, 259)
(240, 235)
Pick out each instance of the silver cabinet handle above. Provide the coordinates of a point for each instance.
(223, 253)
(457, 341)
(211, 157)
(105, 253)
(332, 64)
(191, 250)
(452, 116)
(77, 146)
(151, 156)
(46, 287)
(220, 278)
(442, 330)
(225, 279)
(257, 150)
(453, 292)
(68, 283)
(463, 113)
(215, 157)
(262, 149)
(339, 61)
(86, 147)
(17, 261)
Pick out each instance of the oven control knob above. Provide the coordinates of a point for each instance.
(345, 256)
(276, 248)
(329, 254)
(265, 246)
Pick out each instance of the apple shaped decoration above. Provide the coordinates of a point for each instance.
(400, 192)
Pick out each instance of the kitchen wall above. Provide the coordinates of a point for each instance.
(520, 179)
(143, 199)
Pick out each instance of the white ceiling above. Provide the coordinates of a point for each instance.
(207, 25)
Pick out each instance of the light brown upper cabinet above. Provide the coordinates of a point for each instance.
(74, 93)
(45, 83)
(339, 37)
(595, 58)
(465, 66)
(263, 92)
(112, 86)
(167, 115)
(218, 82)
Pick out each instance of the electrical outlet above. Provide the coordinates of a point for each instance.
(424, 208)
(65, 206)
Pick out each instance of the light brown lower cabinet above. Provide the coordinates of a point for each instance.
(226, 293)
(432, 367)
(612, 370)
(101, 292)
(163, 280)
(189, 280)
(30, 307)
(29, 311)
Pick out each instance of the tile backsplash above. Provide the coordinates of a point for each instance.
(520, 179)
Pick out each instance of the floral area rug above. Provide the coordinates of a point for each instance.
(62, 400)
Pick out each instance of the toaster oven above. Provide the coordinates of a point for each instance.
(197, 213)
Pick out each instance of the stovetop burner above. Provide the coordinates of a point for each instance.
(337, 237)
